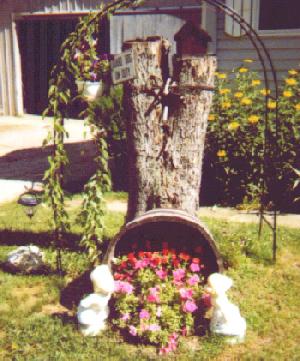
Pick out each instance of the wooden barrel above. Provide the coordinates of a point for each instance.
(180, 230)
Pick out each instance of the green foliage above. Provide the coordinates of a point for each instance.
(78, 56)
(92, 214)
(242, 154)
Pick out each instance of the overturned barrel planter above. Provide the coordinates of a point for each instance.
(166, 126)
(175, 229)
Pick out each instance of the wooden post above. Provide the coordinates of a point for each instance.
(166, 152)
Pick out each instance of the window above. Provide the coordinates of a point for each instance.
(279, 15)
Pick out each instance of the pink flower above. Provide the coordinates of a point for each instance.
(154, 327)
(153, 295)
(161, 274)
(141, 264)
(186, 293)
(125, 317)
(178, 274)
(144, 315)
(123, 287)
(132, 330)
(193, 280)
(194, 267)
(190, 306)
(172, 345)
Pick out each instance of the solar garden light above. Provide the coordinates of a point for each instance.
(30, 200)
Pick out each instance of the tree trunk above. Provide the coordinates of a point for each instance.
(165, 156)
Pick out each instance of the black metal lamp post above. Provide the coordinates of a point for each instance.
(29, 200)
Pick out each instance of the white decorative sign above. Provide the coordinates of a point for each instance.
(123, 67)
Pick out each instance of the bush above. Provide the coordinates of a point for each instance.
(234, 156)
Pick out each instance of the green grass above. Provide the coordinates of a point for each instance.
(34, 327)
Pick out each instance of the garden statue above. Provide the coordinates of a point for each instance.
(93, 310)
(226, 319)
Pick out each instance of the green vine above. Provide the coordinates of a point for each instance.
(62, 92)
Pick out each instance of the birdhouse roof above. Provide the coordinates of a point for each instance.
(190, 29)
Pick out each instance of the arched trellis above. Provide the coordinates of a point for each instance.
(265, 60)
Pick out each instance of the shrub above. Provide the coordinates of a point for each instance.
(236, 136)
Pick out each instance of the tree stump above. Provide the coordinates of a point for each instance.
(165, 155)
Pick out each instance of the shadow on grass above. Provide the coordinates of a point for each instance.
(71, 295)
(43, 239)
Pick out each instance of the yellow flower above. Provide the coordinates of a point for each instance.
(293, 72)
(297, 106)
(271, 104)
(253, 119)
(238, 94)
(221, 153)
(256, 82)
(222, 75)
(291, 81)
(211, 117)
(243, 70)
(287, 93)
(233, 125)
(246, 101)
(225, 105)
(224, 91)
(248, 61)
(265, 92)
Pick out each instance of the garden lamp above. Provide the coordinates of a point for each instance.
(29, 200)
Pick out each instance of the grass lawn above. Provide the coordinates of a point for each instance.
(34, 326)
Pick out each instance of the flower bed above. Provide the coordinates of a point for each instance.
(159, 296)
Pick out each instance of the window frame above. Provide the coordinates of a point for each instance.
(274, 32)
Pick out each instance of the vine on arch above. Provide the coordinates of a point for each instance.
(62, 93)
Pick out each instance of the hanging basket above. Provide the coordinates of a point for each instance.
(90, 90)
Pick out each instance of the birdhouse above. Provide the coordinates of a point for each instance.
(191, 40)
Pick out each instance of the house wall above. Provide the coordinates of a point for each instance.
(11, 101)
(11, 96)
(284, 50)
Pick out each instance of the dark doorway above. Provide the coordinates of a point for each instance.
(39, 43)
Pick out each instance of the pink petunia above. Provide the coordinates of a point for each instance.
(178, 274)
(186, 293)
(125, 316)
(194, 267)
(123, 287)
(144, 315)
(161, 274)
(193, 280)
(141, 264)
(153, 295)
(132, 330)
(154, 327)
(189, 306)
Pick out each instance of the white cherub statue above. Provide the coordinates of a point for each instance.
(226, 318)
(103, 280)
(93, 310)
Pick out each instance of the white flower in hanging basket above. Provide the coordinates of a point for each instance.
(90, 90)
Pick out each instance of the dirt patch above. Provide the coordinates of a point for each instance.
(117, 206)
(27, 296)
(2, 334)
(54, 309)
(235, 352)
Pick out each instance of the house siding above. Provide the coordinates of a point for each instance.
(11, 101)
(284, 50)
(11, 82)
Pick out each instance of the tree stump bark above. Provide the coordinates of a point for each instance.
(165, 156)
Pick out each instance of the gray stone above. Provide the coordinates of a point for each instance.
(25, 259)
